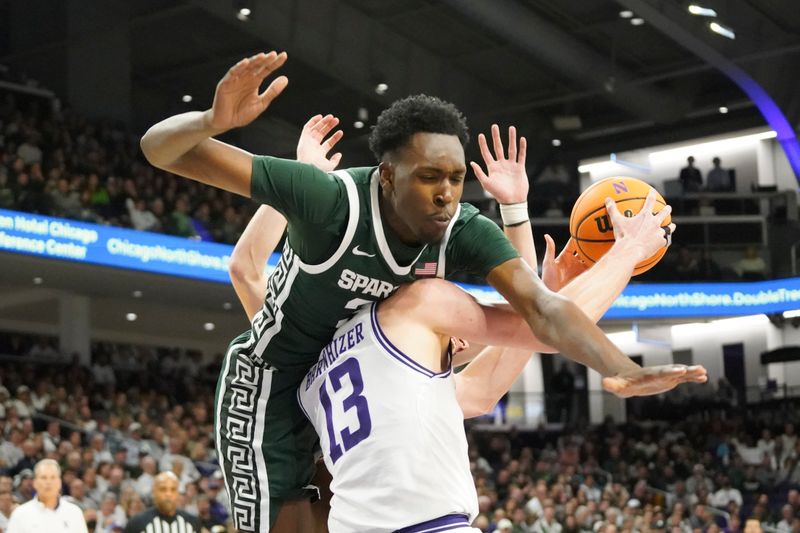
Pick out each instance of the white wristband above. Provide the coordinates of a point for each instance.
(514, 214)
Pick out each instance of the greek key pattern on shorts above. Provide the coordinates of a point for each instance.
(240, 432)
(276, 284)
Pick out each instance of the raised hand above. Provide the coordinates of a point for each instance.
(313, 148)
(653, 380)
(237, 101)
(505, 176)
(644, 230)
(559, 271)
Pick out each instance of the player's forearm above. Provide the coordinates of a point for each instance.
(555, 320)
(596, 289)
(167, 141)
(521, 236)
(563, 325)
(487, 378)
(249, 257)
(580, 340)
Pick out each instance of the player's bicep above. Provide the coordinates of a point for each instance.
(217, 164)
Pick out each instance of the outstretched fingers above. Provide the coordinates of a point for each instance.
(479, 173)
(549, 249)
(332, 140)
(512, 143)
(312, 122)
(484, 148)
(273, 90)
(523, 149)
(498, 143)
(662, 215)
(271, 62)
(613, 211)
(324, 126)
(649, 201)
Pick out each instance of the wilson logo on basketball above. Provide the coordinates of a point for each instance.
(603, 224)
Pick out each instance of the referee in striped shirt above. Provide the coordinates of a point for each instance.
(165, 517)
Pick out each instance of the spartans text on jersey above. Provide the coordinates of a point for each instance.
(354, 282)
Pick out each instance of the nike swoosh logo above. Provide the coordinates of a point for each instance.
(356, 251)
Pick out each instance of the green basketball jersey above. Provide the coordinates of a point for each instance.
(339, 255)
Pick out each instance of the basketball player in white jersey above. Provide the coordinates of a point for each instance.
(383, 399)
(389, 411)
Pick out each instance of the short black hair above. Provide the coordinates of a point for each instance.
(416, 114)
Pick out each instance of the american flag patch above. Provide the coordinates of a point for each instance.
(426, 269)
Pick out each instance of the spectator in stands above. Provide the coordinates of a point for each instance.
(95, 485)
(110, 512)
(102, 372)
(144, 483)
(179, 463)
(23, 403)
(116, 480)
(6, 192)
(752, 266)
(547, 522)
(201, 222)
(789, 441)
(750, 453)
(734, 525)
(11, 449)
(165, 515)
(6, 508)
(66, 202)
(504, 525)
(690, 177)
(29, 151)
(30, 456)
(229, 227)
(179, 222)
(787, 518)
(219, 503)
(204, 514)
(142, 218)
(78, 496)
(718, 179)
(726, 494)
(698, 480)
(589, 490)
(101, 452)
(47, 511)
(23, 486)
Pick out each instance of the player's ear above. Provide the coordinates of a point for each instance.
(386, 172)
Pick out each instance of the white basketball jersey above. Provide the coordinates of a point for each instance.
(392, 434)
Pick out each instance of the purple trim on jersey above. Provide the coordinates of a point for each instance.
(392, 350)
(443, 523)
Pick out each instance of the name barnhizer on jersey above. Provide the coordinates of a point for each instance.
(331, 352)
(355, 282)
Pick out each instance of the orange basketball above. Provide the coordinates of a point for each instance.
(590, 226)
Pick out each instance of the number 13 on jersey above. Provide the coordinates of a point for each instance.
(344, 438)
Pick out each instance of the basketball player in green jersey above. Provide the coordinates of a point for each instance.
(353, 237)
(492, 372)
